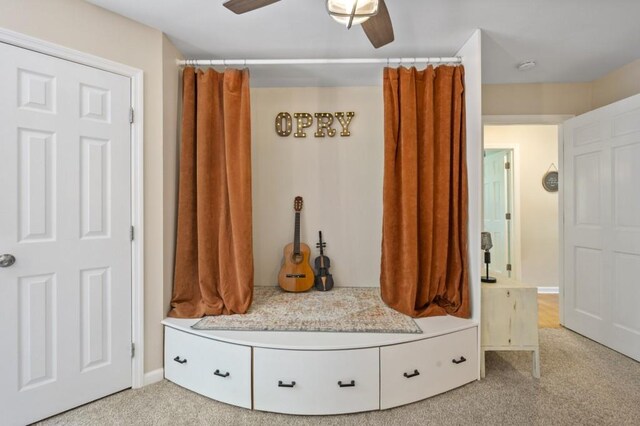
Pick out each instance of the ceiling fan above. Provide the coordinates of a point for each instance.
(372, 14)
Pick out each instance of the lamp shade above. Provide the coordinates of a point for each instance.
(341, 10)
(485, 241)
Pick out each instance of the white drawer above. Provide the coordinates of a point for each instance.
(308, 382)
(413, 371)
(221, 371)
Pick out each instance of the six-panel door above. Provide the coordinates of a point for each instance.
(65, 217)
(602, 225)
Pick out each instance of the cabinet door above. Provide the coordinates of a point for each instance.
(509, 317)
(316, 382)
(413, 371)
(218, 370)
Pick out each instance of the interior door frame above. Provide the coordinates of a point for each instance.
(137, 175)
(555, 119)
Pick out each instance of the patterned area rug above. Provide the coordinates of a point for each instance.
(344, 309)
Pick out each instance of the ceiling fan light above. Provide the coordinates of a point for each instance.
(340, 10)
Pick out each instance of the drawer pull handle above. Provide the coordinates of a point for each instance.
(219, 374)
(459, 361)
(347, 385)
(410, 375)
(180, 361)
(286, 385)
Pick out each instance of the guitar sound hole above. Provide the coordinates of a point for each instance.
(296, 258)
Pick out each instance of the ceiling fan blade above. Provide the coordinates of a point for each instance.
(378, 28)
(243, 6)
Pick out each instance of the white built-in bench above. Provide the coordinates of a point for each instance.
(322, 373)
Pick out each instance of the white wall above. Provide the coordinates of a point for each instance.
(171, 107)
(471, 54)
(340, 179)
(536, 149)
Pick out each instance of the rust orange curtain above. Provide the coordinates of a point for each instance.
(214, 253)
(424, 266)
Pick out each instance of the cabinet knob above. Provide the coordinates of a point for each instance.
(347, 385)
(281, 384)
(180, 361)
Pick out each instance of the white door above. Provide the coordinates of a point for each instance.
(496, 206)
(65, 322)
(602, 225)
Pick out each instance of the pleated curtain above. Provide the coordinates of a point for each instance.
(214, 253)
(424, 265)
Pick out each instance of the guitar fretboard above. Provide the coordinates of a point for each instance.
(296, 237)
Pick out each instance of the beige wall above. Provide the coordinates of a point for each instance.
(87, 28)
(536, 148)
(340, 179)
(538, 99)
(616, 85)
(561, 98)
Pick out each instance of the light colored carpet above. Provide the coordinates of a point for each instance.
(343, 309)
(583, 383)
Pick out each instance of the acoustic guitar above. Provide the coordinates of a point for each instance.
(296, 273)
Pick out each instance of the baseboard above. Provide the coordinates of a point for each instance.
(548, 290)
(153, 376)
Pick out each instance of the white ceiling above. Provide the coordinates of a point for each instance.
(571, 40)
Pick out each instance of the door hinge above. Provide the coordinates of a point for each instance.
(130, 115)
(507, 165)
(133, 349)
(507, 216)
(132, 233)
(508, 266)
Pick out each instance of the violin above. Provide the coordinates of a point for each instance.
(323, 280)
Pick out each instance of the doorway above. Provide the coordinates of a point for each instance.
(517, 157)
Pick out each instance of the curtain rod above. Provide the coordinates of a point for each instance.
(386, 61)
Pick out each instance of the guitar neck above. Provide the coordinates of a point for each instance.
(296, 237)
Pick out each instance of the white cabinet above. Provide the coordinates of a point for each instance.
(413, 371)
(316, 382)
(396, 369)
(219, 370)
(510, 319)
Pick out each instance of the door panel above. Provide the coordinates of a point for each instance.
(602, 225)
(65, 216)
(496, 205)
(587, 191)
(37, 326)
